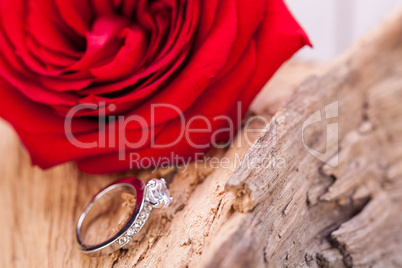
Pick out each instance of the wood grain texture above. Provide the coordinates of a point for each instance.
(305, 213)
(312, 214)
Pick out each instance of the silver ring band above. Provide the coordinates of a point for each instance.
(152, 195)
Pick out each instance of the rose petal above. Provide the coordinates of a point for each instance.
(279, 37)
(103, 42)
(77, 14)
(42, 121)
(202, 67)
(47, 29)
(103, 8)
(249, 16)
(126, 59)
(226, 94)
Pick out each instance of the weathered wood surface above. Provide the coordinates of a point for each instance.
(312, 214)
(305, 213)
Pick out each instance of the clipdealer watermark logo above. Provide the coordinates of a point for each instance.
(269, 161)
(113, 133)
(328, 116)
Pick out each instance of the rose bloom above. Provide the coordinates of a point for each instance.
(117, 59)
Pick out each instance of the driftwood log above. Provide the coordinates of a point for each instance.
(281, 207)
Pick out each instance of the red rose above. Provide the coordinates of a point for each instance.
(120, 58)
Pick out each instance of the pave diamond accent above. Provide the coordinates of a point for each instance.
(137, 225)
(131, 232)
(157, 193)
(143, 216)
(123, 240)
(147, 208)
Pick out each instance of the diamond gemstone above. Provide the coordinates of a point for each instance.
(157, 192)
(147, 209)
(130, 232)
(137, 225)
(143, 216)
(123, 240)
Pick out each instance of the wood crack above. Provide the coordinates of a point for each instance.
(346, 255)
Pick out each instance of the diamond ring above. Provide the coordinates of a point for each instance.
(119, 230)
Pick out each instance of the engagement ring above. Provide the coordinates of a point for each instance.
(107, 223)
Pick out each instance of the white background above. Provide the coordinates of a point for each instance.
(334, 25)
